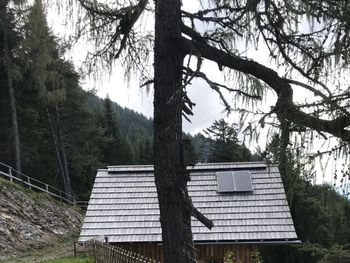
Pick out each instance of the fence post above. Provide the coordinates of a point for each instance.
(29, 184)
(10, 174)
(47, 188)
(94, 251)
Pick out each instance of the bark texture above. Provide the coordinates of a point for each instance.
(170, 173)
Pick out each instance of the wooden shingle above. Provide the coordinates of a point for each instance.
(123, 206)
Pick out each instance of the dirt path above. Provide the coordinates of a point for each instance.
(59, 250)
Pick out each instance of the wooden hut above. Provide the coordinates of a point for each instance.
(246, 202)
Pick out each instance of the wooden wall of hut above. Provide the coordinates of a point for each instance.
(205, 253)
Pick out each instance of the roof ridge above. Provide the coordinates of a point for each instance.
(198, 166)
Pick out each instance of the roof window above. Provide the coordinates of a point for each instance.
(234, 181)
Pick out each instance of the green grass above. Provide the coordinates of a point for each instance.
(36, 195)
(32, 194)
(71, 260)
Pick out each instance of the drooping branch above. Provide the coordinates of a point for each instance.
(217, 87)
(224, 16)
(337, 126)
(326, 99)
(329, 152)
(125, 18)
(99, 9)
(306, 52)
(187, 106)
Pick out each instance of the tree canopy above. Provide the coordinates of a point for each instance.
(308, 41)
(65, 133)
(225, 146)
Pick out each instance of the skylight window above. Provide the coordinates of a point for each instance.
(237, 181)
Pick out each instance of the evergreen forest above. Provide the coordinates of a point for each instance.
(53, 130)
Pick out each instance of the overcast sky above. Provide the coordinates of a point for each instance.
(208, 106)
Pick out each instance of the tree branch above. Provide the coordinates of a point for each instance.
(318, 93)
(284, 105)
(195, 212)
(124, 17)
(201, 218)
(217, 86)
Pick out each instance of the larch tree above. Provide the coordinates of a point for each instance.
(308, 41)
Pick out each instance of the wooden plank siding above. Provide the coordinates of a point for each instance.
(205, 253)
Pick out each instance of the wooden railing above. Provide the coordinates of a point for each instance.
(33, 184)
(105, 253)
(82, 204)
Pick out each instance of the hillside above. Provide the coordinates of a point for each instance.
(131, 123)
(31, 220)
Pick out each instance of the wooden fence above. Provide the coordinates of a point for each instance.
(105, 253)
(17, 177)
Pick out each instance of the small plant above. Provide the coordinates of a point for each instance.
(256, 256)
(230, 257)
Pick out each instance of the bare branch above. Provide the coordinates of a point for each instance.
(201, 218)
(217, 86)
(318, 93)
(329, 152)
(148, 82)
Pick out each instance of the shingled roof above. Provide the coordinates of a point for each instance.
(123, 206)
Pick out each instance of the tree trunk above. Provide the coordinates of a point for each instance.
(61, 160)
(170, 172)
(12, 98)
(63, 153)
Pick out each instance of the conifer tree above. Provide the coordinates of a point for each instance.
(45, 69)
(7, 45)
(224, 143)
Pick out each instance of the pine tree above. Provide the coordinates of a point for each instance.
(191, 156)
(112, 133)
(8, 44)
(224, 143)
(319, 206)
(83, 134)
(144, 149)
(45, 70)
